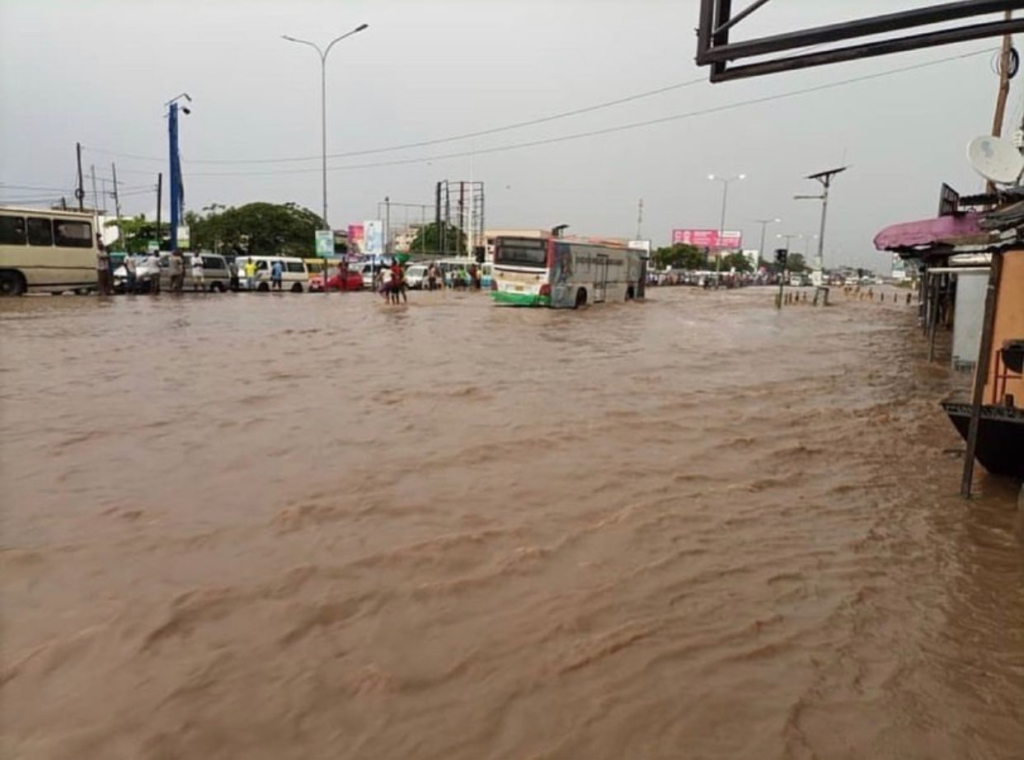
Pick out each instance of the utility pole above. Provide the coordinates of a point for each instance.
(1004, 82)
(764, 224)
(159, 204)
(95, 197)
(825, 178)
(639, 219)
(1003, 93)
(117, 205)
(387, 224)
(79, 191)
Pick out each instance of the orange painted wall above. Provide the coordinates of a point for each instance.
(1009, 320)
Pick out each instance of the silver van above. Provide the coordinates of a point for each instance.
(216, 275)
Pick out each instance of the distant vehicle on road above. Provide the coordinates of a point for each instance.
(147, 269)
(294, 277)
(47, 251)
(216, 275)
(416, 276)
(351, 281)
(563, 272)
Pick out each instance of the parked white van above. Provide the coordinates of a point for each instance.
(294, 277)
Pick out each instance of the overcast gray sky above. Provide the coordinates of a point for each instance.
(99, 72)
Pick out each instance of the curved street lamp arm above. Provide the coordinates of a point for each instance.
(306, 42)
(358, 29)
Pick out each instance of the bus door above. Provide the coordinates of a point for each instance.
(601, 278)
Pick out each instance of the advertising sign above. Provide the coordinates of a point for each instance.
(184, 237)
(324, 243)
(707, 238)
(355, 238)
(373, 237)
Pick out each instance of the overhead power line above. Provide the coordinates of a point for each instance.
(606, 130)
(422, 143)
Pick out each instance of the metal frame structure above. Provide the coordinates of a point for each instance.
(460, 205)
(717, 21)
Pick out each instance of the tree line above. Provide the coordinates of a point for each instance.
(682, 256)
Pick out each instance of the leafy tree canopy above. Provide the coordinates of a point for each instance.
(256, 229)
(679, 256)
(429, 240)
(137, 232)
(736, 261)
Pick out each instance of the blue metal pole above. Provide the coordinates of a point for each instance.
(172, 127)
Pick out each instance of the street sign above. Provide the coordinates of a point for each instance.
(324, 243)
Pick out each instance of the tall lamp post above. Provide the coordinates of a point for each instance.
(764, 224)
(323, 110)
(825, 179)
(177, 195)
(721, 226)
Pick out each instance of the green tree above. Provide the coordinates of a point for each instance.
(796, 263)
(136, 233)
(679, 256)
(428, 240)
(256, 229)
(736, 261)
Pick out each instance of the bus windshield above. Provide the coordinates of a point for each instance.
(521, 252)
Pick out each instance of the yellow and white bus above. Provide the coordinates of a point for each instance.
(564, 273)
(49, 251)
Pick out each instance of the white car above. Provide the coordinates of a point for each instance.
(147, 268)
(416, 276)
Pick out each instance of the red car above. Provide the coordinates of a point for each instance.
(351, 281)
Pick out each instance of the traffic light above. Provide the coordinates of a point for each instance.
(781, 255)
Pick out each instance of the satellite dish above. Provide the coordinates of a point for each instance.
(996, 159)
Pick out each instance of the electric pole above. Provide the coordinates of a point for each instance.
(79, 191)
(159, 204)
(825, 178)
(95, 196)
(117, 205)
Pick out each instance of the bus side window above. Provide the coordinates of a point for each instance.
(40, 231)
(12, 230)
(71, 234)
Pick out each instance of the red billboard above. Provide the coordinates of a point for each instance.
(708, 238)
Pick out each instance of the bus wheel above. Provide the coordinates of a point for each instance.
(217, 287)
(581, 298)
(11, 284)
(263, 287)
(297, 287)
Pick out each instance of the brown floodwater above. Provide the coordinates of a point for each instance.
(274, 527)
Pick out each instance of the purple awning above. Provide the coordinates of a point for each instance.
(945, 230)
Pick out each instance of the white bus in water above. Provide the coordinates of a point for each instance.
(49, 251)
(564, 273)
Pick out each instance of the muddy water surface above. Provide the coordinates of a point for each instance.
(318, 527)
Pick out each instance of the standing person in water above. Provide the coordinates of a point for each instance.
(198, 275)
(276, 274)
(398, 282)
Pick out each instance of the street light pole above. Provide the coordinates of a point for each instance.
(825, 179)
(323, 112)
(721, 226)
(764, 224)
